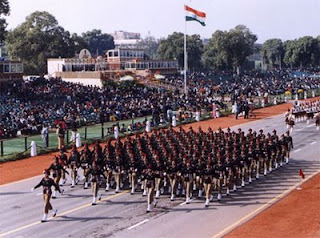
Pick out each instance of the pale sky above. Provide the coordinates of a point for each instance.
(284, 19)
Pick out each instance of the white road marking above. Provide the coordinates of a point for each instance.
(296, 151)
(138, 224)
(38, 194)
(310, 125)
(312, 143)
(299, 129)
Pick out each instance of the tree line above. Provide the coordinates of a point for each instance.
(229, 50)
(40, 37)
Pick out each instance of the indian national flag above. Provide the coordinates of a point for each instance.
(194, 15)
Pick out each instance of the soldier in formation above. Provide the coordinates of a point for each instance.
(180, 162)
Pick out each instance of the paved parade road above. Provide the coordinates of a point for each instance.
(124, 215)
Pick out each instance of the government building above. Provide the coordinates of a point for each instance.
(10, 70)
(115, 64)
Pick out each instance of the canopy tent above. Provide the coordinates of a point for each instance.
(159, 76)
(126, 78)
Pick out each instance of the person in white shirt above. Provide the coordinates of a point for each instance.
(44, 135)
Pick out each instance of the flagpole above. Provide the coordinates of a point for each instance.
(185, 57)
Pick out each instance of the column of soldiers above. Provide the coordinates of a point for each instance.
(304, 111)
(176, 162)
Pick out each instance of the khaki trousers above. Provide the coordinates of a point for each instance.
(108, 174)
(173, 184)
(85, 172)
(60, 142)
(132, 179)
(207, 188)
(117, 179)
(244, 172)
(230, 180)
(218, 184)
(57, 180)
(95, 188)
(74, 173)
(63, 174)
(157, 183)
(150, 194)
(47, 204)
(199, 182)
(188, 186)
(251, 168)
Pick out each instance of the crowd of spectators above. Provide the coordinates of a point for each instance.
(250, 83)
(26, 106)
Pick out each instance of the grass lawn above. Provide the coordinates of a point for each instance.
(17, 145)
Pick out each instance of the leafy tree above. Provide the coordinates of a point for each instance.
(150, 46)
(308, 51)
(98, 42)
(78, 43)
(215, 52)
(272, 52)
(37, 39)
(290, 56)
(303, 52)
(4, 11)
(229, 49)
(173, 48)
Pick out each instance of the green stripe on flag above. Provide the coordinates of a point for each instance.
(188, 18)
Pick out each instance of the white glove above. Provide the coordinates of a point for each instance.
(32, 189)
(164, 174)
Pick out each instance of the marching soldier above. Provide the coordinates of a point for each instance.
(47, 183)
(290, 146)
(199, 168)
(56, 169)
(251, 157)
(63, 159)
(187, 174)
(133, 174)
(229, 176)
(284, 149)
(73, 164)
(95, 172)
(109, 163)
(85, 162)
(219, 172)
(172, 173)
(149, 177)
(118, 172)
(317, 120)
(207, 179)
(158, 170)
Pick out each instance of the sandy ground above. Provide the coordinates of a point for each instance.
(297, 215)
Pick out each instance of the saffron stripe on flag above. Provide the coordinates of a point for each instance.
(198, 13)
